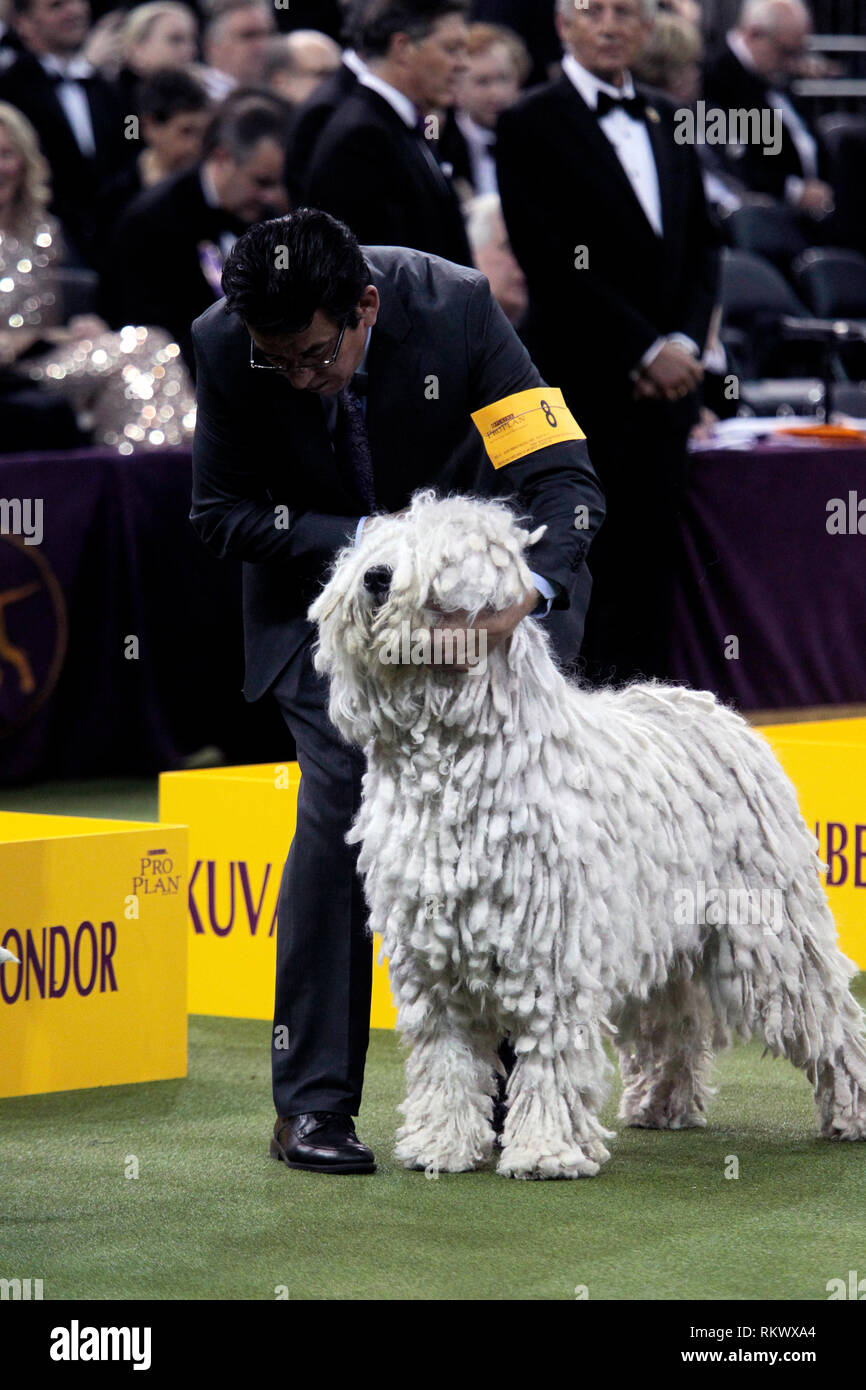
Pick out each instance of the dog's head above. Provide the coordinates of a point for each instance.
(383, 626)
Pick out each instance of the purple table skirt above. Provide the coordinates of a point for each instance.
(121, 647)
(121, 638)
(762, 567)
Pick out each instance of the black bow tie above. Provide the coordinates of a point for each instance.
(635, 106)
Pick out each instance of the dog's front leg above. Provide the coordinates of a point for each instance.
(448, 1107)
(552, 1129)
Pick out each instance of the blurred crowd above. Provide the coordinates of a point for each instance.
(562, 147)
(137, 144)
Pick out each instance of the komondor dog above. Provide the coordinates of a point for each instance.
(560, 864)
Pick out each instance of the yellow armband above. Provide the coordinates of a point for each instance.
(523, 423)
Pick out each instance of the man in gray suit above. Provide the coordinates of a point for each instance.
(333, 381)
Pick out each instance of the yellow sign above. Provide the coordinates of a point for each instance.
(241, 824)
(94, 913)
(826, 761)
(523, 423)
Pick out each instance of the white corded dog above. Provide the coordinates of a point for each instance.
(559, 864)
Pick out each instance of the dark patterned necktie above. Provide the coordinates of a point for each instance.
(352, 447)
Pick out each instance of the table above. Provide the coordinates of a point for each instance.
(761, 567)
(121, 646)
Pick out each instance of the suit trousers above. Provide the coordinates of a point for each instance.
(324, 954)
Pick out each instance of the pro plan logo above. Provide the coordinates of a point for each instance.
(156, 874)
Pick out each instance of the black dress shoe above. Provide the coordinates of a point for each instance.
(322, 1141)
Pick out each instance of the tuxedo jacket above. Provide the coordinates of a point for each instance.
(154, 272)
(260, 444)
(731, 87)
(307, 124)
(76, 179)
(372, 172)
(567, 199)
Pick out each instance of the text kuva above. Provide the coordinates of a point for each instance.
(249, 904)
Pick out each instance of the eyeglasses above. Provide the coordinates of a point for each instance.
(282, 365)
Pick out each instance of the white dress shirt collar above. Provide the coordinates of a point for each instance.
(354, 62)
(403, 105)
(589, 86)
(73, 69)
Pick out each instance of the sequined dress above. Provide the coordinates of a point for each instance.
(130, 390)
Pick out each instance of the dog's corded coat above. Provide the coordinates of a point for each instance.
(530, 851)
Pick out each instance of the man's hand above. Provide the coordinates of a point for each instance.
(104, 46)
(672, 374)
(817, 198)
(498, 626)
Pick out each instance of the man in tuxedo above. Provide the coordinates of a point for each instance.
(753, 72)
(606, 215)
(373, 165)
(314, 411)
(170, 245)
(77, 114)
(312, 116)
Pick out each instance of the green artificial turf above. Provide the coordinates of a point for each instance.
(211, 1216)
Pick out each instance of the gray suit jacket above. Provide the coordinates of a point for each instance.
(260, 443)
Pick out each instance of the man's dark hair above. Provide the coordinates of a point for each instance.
(243, 119)
(281, 271)
(373, 25)
(168, 92)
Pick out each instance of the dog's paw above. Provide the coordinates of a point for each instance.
(649, 1118)
(434, 1155)
(853, 1129)
(577, 1162)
